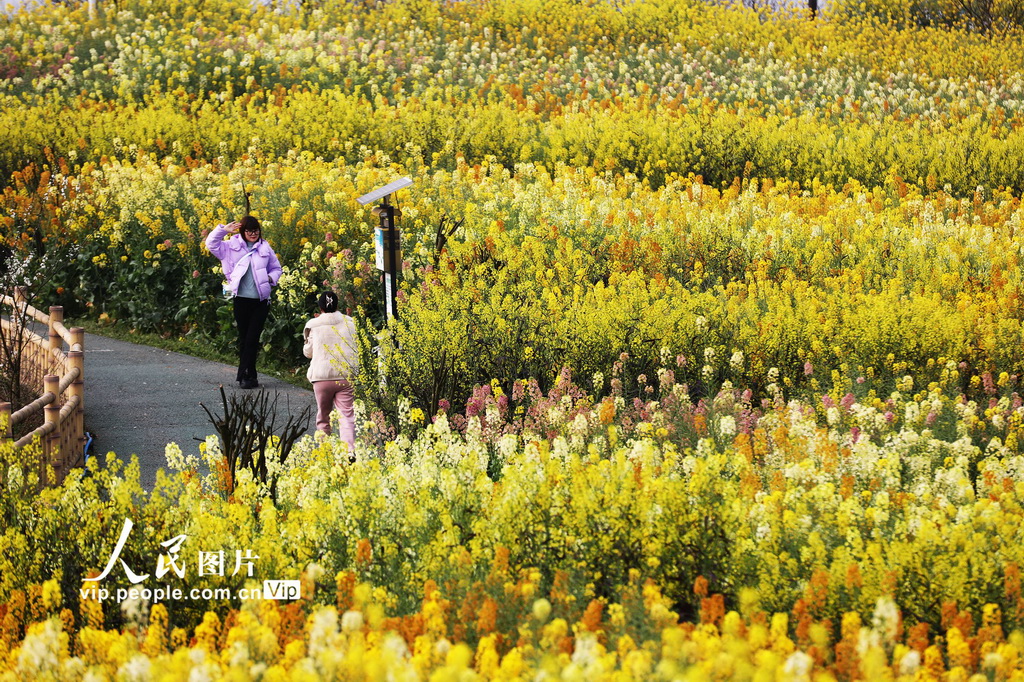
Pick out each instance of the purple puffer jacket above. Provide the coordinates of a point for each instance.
(233, 256)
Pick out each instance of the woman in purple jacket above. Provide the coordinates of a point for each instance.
(251, 268)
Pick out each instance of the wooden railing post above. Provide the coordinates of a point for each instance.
(56, 315)
(63, 438)
(76, 359)
(20, 298)
(51, 415)
(5, 422)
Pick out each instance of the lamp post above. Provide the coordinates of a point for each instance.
(387, 241)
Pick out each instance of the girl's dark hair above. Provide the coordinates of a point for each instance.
(250, 223)
(328, 302)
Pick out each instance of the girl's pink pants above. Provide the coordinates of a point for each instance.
(335, 394)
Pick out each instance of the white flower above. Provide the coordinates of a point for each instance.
(586, 652)
(314, 571)
(727, 426)
(910, 663)
(39, 651)
(993, 659)
(736, 361)
(886, 619)
(798, 666)
(138, 668)
(322, 630)
(707, 373)
(352, 621)
(442, 647)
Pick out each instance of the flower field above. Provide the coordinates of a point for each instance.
(708, 362)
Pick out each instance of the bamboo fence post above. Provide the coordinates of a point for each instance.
(76, 359)
(51, 415)
(56, 315)
(20, 299)
(5, 422)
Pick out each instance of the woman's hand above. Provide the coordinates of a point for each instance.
(233, 228)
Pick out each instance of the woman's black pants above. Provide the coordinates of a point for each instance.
(250, 316)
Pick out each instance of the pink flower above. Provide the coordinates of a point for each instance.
(195, 274)
(808, 369)
(328, 237)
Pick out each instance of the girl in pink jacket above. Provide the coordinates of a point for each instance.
(251, 268)
(330, 343)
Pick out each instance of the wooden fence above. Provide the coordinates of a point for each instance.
(62, 398)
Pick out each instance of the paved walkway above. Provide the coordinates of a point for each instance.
(138, 399)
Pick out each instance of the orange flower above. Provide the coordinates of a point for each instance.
(592, 616)
(817, 590)
(364, 552)
(712, 610)
(1011, 582)
(499, 567)
(743, 446)
(918, 637)
(429, 588)
(803, 623)
(854, 580)
(846, 486)
(561, 588)
(949, 611)
(487, 619)
(293, 623)
(346, 585)
(964, 622)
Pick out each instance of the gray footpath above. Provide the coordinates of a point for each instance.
(138, 399)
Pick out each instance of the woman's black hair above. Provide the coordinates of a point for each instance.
(328, 302)
(249, 223)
